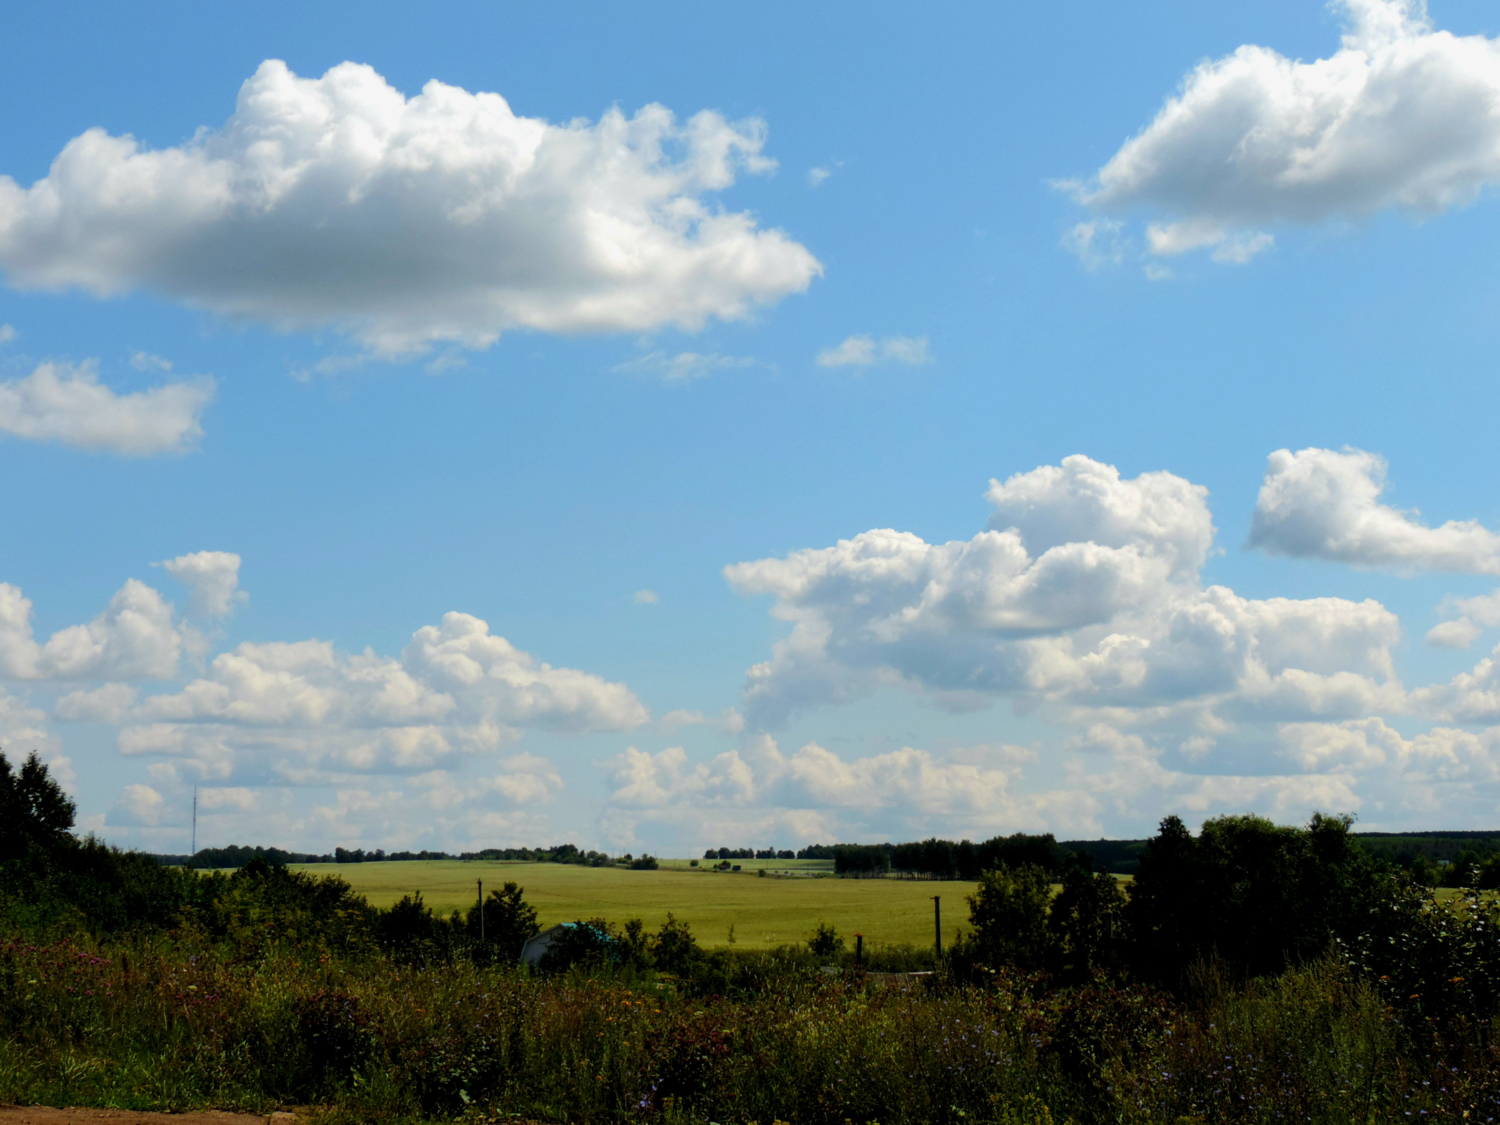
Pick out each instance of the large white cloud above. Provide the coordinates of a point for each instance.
(307, 713)
(1089, 597)
(339, 201)
(760, 795)
(137, 637)
(1470, 697)
(1109, 778)
(1319, 503)
(69, 404)
(1402, 115)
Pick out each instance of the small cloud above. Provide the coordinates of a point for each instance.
(1240, 248)
(1154, 271)
(865, 351)
(683, 367)
(906, 349)
(1096, 243)
(727, 721)
(214, 579)
(646, 597)
(448, 361)
(1231, 247)
(69, 404)
(138, 806)
(7, 333)
(856, 351)
(816, 176)
(1454, 634)
(145, 361)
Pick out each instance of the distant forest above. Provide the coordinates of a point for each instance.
(1427, 855)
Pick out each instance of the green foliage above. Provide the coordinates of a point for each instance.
(501, 926)
(945, 859)
(1086, 921)
(825, 941)
(35, 814)
(674, 949)
(589, 945)
(182, 1024)
(1009, 914)
(1254, 895)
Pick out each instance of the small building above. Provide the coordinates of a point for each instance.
(536, 948)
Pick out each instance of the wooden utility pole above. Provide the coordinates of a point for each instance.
(195, 820)
(937, 921)
(481, 910)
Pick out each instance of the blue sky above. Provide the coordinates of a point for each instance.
(687, 370)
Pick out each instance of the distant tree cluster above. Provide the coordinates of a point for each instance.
(750, 853)
(558, 853)
(237, 855)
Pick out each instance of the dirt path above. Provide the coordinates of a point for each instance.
(45, 1115)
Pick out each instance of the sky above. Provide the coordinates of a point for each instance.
(752, 425)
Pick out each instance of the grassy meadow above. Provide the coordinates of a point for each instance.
(779, 909)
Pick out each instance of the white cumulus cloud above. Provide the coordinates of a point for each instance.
(406, 221)
(1475, 615)
(57, 402)
(1084, 592)
(1319, 503)
(865, 351)
(137, 637)
(214, 579)
(1400, 116)
(299, 712)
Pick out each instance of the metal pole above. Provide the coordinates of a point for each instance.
(481, 910)
(937, 921)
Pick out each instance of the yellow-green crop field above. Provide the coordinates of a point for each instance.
(779, 909)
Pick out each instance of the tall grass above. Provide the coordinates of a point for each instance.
(176, 1022)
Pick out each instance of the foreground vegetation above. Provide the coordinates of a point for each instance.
(1253, 974)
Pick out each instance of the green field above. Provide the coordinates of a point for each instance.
(765, 912)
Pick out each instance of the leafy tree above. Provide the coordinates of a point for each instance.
(1254, 895)
(508, 921)
(1085, 919)
(411, 933)
(674, 948)
(581, 943)
(1009, 914)
(825, 941)
(36, 816)
(634, 945)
